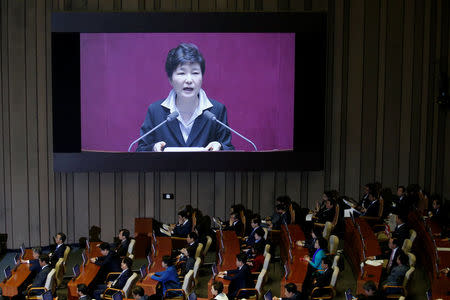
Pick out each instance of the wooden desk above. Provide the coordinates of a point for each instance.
(143, 228)
(232, 248)
(164, 247)
(298, 268)
(12, 286)
(440, 286)
(353, 248)
(87, 272)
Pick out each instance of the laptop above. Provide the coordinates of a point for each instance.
(219, 254)
(22, 249)
(47, 295)
(291, 258)
(348, 294)
(8, 272)
(150, 261)
(286, 270)
(17, 259)
(88, 245)
(84, 257)
(117, 296)
(143, 271)
(76, 271)
(268, 295)
(214, 270)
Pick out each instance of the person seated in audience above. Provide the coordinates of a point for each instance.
(364, 202)
(41, 277)
(124, 241)
(191, 242)
(189, 262)
(203, 229)
(139, 293)
(327, 213)
(34, 263)
(60, 238)
(397, 274)
(436, 213)
(119, 282)
(183, 227)
(284, 217)
(322, 277)
(373, 208)
(327, 195)
(242, 276)
(235, 224)
(401, 230)
(320, 245)
(82, 292)
(255, 224)
(168, 277)
(391, 254)
(217, 291)
(370, 291)
(316, 232)
(401, 200)
(257, 261)
(291, 293)
(108, 262)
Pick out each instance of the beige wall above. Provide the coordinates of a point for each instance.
(381, 122)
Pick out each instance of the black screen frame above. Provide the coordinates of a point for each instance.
(308, 154)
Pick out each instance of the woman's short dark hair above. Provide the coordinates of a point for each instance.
(218, 286)
(128, 261)
(138, 290)
(259, 231)
(404, 259)
(82, 288)
(193, 235)
(370, 286)
(125, 233)
(323, 244)
(184, 53)
(167, 260)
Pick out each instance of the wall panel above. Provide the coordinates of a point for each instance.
(382, 122)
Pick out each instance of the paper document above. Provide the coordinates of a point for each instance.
(442, 249)
(166, 232)
(165, 226)
(348, 211)
(375, 262)
(309, 217)
(185, 149)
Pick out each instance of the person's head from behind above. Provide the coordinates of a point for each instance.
(124, 234)
(256, 221)
(191, 237)
(290, 289)
(44, 260)
(138, 292)
(241, 259)
(403, 259)
(126, 263)
(37, 251)
(321, 243)
(285, 200)
(182, 217)
(166, 261)
(104, 248)
(185, 67)
(370, 288)
(259, 234)
(216, 288)
(393, 243)
(82, 289)
(60, 238)
(258, 249)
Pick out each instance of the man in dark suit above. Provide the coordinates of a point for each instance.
(119, 282)
(401, 231)
(60, 238)
(391, 255)
(373, 208)
(235, 224)
(255, 224)
(370, 291)
(242, 276)
(34, 263)
(327, 213)
(285, 217)
(192, 243)
(364, 202)
(319, 278)
(290, 290)
(124, 242)
(82, 291)
(108, 262)
(189, 262)
(41, 277)
(184, 226)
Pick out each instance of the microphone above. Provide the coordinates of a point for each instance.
(169, 118)
(212, 117)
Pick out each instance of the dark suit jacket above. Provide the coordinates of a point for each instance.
(388, 256)
(108, 263)
(57, 254)
(251, 237)
(372, 210)
(401, 233)
(122, 248)
(396, 275)
(238, 227)
(203, 131)
(182, 230)
(364, 202)
(241, 279)
(190, 262)
(323, 279)
(120, 282)
(284, 219)
(297, 296)
(34, 266)
(326, 215)
(41, 277)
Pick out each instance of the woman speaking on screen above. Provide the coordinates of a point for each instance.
(185, 67)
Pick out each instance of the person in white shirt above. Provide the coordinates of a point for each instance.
(217, 291)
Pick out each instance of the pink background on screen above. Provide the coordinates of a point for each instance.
(252, 74)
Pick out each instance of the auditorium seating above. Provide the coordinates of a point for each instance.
(126, 291)
(186, 289)
(402, 288)
(130, 251)
(327, 292)
(256, 292)
(50, 285)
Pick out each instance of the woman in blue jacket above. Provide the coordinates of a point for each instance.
(319, 254)
(169, 277)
